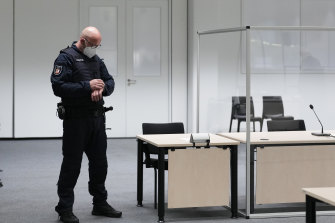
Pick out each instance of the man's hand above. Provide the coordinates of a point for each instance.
(97, 95)
(97, 84)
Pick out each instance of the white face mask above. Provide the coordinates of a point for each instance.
(90, 51)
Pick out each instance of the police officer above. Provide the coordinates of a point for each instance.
(81, 79)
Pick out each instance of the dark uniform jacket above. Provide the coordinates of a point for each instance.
(71, 78)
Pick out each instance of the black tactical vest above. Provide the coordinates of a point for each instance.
(84, 69)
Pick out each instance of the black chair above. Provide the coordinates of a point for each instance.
(150, 152)
(238, 111)
(286, 125)
(273, 108)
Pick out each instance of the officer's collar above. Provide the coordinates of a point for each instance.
(75, 47)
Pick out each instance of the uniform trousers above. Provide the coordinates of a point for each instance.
(83, 135)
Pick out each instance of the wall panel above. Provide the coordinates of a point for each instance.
(179, 61)
(42, 29)
(207, 15)
(6, 68)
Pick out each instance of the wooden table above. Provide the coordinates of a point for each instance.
(313, 195)
(170, 142)
(286, 162)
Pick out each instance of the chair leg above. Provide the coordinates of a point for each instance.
(1, 185)
(261, 124)
(155, 199)
(231, 121)
(238, 125)
(253, 124)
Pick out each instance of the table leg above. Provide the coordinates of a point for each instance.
(233, 180)
(310, 209)
(139, 172)
(161, 184)
(252, 179)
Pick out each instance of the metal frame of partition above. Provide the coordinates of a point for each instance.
(247, 29)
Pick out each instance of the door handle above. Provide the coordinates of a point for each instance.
(131, 82)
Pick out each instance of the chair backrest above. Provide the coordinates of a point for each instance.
(160, 128)
(286, 125)
(163, 128)
(273, 105)
(239, 106)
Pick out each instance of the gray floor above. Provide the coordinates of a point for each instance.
(31, 169)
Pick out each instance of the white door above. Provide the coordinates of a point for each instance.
(147, 64)
(135, 51)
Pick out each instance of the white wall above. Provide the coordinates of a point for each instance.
(206, 15)
(42, 29)
(6, 68)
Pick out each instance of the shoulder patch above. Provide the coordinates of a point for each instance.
(58, 69)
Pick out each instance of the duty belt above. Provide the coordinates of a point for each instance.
(83, 113)
(66, 112)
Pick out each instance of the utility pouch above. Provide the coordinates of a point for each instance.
(60, 111)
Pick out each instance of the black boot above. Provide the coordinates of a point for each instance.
(67, 216)
(106, 210)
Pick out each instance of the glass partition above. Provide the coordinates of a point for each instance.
(295, 66)
(147, 41)
(220, 80)
(222, 84)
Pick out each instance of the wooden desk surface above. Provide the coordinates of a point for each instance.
(284, 137)
(183, 140)
(325, 194)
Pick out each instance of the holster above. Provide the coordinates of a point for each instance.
(60, 111)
